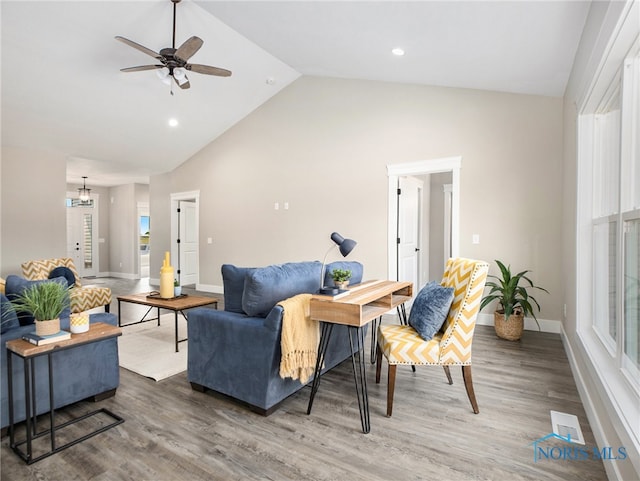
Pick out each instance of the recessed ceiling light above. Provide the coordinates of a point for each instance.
(398, 52)
(173, 122)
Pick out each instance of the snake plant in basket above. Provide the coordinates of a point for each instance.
(514, 301)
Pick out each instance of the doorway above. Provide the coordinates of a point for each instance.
(185, 234)
(82, 234)
(144, 240)
(399, 211)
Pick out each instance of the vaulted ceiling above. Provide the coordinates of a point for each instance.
(62, 89)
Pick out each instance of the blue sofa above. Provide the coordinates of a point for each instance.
(236, 352)
(85, 372)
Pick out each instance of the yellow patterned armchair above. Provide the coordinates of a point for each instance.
(401, 344)
(82, 298)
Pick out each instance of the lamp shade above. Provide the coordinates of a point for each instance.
(345, 245)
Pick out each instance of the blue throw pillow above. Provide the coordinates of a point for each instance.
(65, 272)
(233, 281)
(15, 285)
(430, 309)
(266, 286)
(9, 319)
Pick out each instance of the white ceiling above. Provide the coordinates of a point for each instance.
(62, 89)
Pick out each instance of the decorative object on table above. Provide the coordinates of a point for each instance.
(45, 301)
(514, 302)
(166, 277)
(345, 246)
(177, 288)
(341, 278)
(37, 340)
(79, 323)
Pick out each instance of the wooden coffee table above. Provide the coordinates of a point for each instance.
(176, 304)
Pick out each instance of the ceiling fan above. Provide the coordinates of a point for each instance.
(173, 62)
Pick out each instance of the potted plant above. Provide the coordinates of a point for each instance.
(177, 289)
(341, 277)
(45, 301)
(514, 301)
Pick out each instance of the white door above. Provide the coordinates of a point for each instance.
(82, 237)
(409, 225)
(188, 243)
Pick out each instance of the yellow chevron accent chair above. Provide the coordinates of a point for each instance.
(451, 346)
(82, 298)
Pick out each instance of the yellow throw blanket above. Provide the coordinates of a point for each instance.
(299, 339)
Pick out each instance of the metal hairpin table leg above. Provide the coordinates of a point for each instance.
(374, 338)
(325, 335)
(360, 376)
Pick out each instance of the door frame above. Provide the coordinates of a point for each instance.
(142, 210)
(95, 237)
(193, 196)
(421, 167)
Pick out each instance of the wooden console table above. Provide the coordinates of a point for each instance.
(28, 352)
(355, 309)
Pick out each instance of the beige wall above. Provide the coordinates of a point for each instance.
(323, 145)
(34, 218)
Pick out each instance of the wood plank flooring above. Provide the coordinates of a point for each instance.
(173, 433)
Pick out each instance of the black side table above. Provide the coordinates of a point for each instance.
(28, 352)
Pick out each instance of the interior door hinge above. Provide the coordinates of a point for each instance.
(398, 240)
(399, 191)
(178, 241)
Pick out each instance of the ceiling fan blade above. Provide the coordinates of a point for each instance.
(141, 68)
(137, 46)
(208, 70)
(188, 48)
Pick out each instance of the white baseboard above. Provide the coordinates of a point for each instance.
(546, 325)
(214, 289)
(594, 417)
(119, 275)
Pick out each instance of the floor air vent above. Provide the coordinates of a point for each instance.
(564, 425)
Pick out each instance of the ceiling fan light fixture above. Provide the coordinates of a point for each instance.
(163, 75)
(179, 73)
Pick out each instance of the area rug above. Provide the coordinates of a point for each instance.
(149, 350)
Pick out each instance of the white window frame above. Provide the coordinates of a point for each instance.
(621, 384)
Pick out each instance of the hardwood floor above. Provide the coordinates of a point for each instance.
(174, 433)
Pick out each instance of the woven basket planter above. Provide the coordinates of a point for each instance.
(510, 329)
(46, 328)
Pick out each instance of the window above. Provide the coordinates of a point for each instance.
(609, 223)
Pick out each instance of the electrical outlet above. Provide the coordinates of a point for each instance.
(475, 239)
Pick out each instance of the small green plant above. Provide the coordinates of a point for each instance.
(512, 296)
(176, 283)
(44, 301)
(340, 275)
